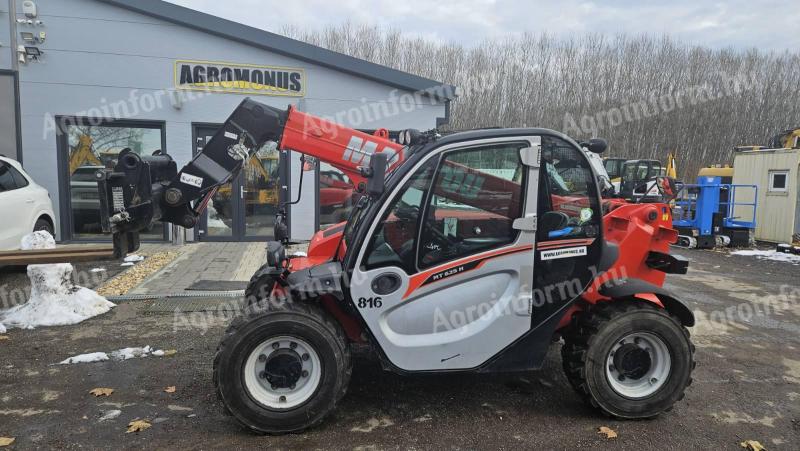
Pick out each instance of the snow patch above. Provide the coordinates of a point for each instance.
(86, 358)
(133, 258)
(97, 270)
(131, 353)
(110, 415)
(37, 240)
(2, 328)
(128, 264)
(119, 354)
(770, 255)
(55, 300)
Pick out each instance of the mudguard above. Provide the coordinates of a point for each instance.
(621, 288)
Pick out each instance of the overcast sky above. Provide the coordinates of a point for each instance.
(764, 24)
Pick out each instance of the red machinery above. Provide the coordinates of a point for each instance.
(468, 252)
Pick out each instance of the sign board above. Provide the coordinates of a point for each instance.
(235, 78)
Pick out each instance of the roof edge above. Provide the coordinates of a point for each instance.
(283, 45)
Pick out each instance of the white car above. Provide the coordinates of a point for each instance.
(24, 205)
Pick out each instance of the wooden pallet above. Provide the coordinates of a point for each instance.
(65, 254)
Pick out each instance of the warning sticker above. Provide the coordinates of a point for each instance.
(192, 180)
(230, 135)
(566, 252)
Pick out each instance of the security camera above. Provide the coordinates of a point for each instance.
(22, 56)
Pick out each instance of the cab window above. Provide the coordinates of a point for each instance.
(476, 196)
(568, 199)
(392, 243)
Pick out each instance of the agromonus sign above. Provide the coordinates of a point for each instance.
(235, 78)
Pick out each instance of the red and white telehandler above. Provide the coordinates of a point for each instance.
(472, 251)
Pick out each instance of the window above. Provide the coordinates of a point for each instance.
(7, 182)
(10, 178)
(567, 193)
(475, 200)
(393, 241)
(92, 147)
(778, 181)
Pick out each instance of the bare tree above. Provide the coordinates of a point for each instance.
(646, 94)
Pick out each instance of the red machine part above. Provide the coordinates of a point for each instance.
(637, 229)
(342, 147)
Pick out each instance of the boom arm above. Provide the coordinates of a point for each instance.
(140, 190)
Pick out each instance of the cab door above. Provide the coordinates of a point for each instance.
(569, 231)
(446, 276)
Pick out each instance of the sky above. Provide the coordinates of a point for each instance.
(740, 24)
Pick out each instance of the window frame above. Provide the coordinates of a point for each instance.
(522, 142)
(17, 111)
(771, 181)
(62, 150)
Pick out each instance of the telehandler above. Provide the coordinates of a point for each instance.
(472, 251)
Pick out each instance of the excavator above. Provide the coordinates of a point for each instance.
(467, 252)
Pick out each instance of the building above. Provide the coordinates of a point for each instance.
(81, 80)
(775, 172)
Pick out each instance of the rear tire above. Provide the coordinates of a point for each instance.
(43, 225)
(308, 371)
(628, 359)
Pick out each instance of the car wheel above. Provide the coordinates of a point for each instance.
(44, 226)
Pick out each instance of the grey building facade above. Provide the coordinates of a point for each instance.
(82, 79)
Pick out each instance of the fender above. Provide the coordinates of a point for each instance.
(621, 288)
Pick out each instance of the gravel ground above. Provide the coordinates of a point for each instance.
(746, 385)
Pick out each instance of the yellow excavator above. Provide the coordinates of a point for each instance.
(83, 154)
(262, 188)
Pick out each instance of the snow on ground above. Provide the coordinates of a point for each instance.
(2, 328)
(770, 255)
(133, 258)
(119, 354)
(55, 300)
(86, 358)
(97, 270)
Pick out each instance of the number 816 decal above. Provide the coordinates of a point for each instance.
(375, 302)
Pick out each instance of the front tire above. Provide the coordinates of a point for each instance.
(629, 359)
(44, 226)
(282, 371)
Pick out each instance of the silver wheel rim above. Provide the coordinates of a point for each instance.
(644, 379)
(275, 397)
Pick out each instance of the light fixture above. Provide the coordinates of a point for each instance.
(33, 52)
(27, 36)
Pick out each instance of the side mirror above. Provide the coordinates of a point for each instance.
(595, 145)
(377, 174)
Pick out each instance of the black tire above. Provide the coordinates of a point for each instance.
(591, 338)
(305, 321)
(44, 226)
(259, 289)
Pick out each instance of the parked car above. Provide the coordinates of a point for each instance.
(24, 205)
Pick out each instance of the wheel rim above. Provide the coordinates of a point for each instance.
(638, 365)
(282, 372)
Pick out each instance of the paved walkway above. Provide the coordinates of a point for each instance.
(205, 261)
